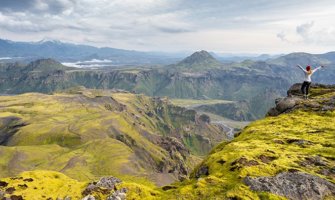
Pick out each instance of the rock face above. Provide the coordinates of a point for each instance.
(293, 185)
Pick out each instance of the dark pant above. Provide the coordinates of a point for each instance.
(305, 87)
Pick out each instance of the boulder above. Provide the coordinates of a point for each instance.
(295, 90)
(118, 195)
(16, 197)
(293, 185)
(105, 185)
(88, 197)
(202, 171)
(283, 105)
(2, 194)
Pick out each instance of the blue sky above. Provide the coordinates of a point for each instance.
(241, 26)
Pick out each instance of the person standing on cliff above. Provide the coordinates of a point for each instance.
(308, 79)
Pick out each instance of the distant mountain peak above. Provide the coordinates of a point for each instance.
(47, 64)
(49, 41)
(200, 59)
(198, 56)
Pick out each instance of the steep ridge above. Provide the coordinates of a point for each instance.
(291, 155)
(87, 134)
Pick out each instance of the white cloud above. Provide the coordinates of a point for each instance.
(304, 30)
(266, 26)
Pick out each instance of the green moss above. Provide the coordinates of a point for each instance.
(45, 184)
(272, 145)
(92, 133)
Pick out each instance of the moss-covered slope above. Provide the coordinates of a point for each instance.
(287, 156)
(87, 134)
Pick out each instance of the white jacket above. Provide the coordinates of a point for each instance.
(309, 75)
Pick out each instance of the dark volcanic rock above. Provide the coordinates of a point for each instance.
(10, 190)
(316, 161)
(293, 185)
(8, 127)
(205, 118)
(16, 197)
(266, 159)
(245, 162)
(203, 170)
(28, 180)
(3, 184)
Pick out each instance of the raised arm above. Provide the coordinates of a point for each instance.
(316, 69)
(301, 68)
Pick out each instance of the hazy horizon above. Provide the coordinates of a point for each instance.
(239, 27)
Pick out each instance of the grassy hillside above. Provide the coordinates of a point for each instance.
(87, 134)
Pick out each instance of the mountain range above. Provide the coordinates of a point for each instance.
(199, 76)
(67, 52)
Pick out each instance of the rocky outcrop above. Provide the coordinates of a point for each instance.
(295, 101)
(105, 185)
(118, 195)
(295, 89)
(293, 185)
